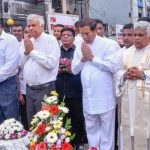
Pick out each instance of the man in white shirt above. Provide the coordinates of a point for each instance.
(17, 30)
(9, 53)
(94, 59)
(40, 63)
(100, 29)
(78, 38)
(127, 35)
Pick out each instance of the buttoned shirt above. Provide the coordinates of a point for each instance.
(96, 76)
(41, 65)
(9, 56)
(21, 78)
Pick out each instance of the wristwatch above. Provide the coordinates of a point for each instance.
(143, 76)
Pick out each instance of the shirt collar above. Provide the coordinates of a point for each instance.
(71, 48)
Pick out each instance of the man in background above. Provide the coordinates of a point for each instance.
(127, 35)
(57, 32)
(69, 86)
(17, 31)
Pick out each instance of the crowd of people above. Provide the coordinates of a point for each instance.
(105, 86)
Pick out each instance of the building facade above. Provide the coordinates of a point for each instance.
(119, 11)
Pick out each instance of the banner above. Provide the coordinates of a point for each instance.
(58, 18)
(119, 33)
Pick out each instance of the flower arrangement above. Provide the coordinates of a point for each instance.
(49, 130)
(11, 129)
(65, 65)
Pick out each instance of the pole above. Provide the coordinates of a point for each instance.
(131, 10)
(81, 10)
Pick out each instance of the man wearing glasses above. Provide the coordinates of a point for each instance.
(94, 59)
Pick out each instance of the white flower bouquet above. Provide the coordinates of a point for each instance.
(49, 129)
(11, 129)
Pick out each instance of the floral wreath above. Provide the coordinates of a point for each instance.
(49, 130)
(11, 129)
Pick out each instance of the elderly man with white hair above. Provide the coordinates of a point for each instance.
(40, 63)
(133, 84)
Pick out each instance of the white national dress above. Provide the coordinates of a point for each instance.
(134, 126)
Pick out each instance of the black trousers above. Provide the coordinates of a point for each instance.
(23, 114)
(77, 119)
(116, 129)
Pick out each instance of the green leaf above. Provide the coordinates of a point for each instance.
(72, 136)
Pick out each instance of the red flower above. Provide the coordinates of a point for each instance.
(41, 146)
(53, 147)
(41, 129)
(46, 107)
(93, 148)
(32, 147)
(54, 109)
(66, 146)
(65, 65)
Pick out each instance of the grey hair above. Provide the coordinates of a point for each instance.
(143, 25)
(37, 17)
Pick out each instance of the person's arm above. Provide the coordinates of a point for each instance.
(20, 96)
(77, 62)
(107, 63)
(48, 59)
(11, 59)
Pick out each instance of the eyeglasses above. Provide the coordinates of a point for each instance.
(86, 34)
(70, 35)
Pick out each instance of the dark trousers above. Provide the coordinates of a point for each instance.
(9, 104)
(77, 119)
(34, 97)
(23, 114)
(116, 129)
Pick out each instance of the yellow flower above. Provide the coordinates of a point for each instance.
(55, 131)
(34, 120)
(31, 143)
(57, 124)
(31, 128)
(68, 133)
(54, 93)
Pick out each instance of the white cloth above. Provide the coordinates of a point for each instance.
(101, 127)
(78, 40)
(96, 76)
(113, 42)
(9, 56)
(41, 65)
(16, 144)
(135, 107)
(21, 78)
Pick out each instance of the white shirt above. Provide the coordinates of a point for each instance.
(41, 65)
(115, 43)
(9, 56)
(78, 40)
(119, 55)
(96, 76)
(21, 78)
